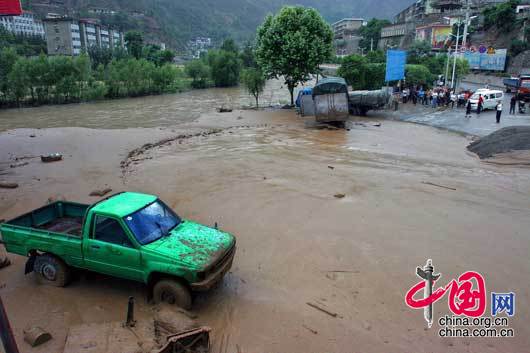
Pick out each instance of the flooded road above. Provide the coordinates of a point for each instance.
(150, 111)
(270, 181)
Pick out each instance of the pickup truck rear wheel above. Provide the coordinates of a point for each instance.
(172, 292)
(51, 270)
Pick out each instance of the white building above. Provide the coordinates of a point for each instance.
(25, 24)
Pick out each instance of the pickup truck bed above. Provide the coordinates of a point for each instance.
(57, 225)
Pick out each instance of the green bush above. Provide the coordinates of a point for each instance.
(518, 46)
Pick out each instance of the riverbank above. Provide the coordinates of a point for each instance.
(271, 181)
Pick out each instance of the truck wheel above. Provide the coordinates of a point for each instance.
(51, 270)
(172, 292)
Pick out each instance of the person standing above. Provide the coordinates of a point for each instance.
(512, 104)
(479, 104)
(468, 109)
(499, 112)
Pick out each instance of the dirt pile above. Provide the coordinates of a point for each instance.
(508, 139)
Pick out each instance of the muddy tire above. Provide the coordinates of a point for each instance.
(172, 292)
(51, 270)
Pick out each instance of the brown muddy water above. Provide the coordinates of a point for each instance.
(268, 179)
(150, 111)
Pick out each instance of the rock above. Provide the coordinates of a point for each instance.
(339, 196)
(36, 336)
(5, 185)
(513, 138)
(101, 192)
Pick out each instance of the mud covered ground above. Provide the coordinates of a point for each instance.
(270, 181)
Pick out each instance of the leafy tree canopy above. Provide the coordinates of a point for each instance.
(293, 44)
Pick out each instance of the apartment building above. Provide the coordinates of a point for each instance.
(25, 24)
(66, 36)
(346, 35)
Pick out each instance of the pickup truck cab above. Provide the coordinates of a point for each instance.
(128, 235)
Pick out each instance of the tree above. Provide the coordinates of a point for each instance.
(418, 75)
(502, 15)
(293, 44)
(353, 70)
(225, 68)
(517, 46)
(134, 42)
(371, 33)
(199, 72)
(99, 56)
(417, 50)
(376, 74)
(230, 45)
(248, 58)
(8, 57)
(376, 56)
(254, 81)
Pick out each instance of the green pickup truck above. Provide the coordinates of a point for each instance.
(127, 235)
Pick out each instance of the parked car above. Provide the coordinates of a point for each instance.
(491, 98)
(128, 235)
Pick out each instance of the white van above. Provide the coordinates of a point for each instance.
(491, 98)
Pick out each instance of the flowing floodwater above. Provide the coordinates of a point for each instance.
(150, 111)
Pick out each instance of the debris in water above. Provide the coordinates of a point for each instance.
(438, 185)
(339, 196)
(331, 167)
(330, 313)
(100, 193)
(224, 110)
(314, 332)
(4, 185)
(16, 165)
(195, 340)
(54, 157)
(36, 336)
(377, 125)
(32, 135)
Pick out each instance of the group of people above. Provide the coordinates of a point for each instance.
(498, 107)
(441, 96)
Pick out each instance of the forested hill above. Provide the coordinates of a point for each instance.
(176, 21)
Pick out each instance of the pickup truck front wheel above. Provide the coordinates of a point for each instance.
(172, 292)
(51, 270)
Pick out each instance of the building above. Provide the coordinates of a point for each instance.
(66, 36)
(347, 36)
(437, 34)
(25, 24)
(397, 35)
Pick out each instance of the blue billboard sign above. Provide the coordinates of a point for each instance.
(395, 65)
(493, 60)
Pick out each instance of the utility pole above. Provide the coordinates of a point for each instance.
(455, 55)
(466, 24)
(372, 44)
(446, 77)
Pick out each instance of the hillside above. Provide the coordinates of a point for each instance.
(174, 22)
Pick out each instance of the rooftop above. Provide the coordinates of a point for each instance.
(124, 204)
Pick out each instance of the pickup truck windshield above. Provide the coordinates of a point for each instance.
(152, 222)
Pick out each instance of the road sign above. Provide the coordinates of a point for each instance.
(395, 65)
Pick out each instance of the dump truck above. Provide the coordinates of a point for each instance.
(128, 235)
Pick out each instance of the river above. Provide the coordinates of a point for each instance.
(150, 111)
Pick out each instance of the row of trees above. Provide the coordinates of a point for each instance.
(368, 72)
(100, 73)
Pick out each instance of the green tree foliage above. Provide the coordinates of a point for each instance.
(254, 81)
(100, 56)
(418, 50)
(199, 72)
(293, 44)
(230, 45)
(502, 15)
(376, 56)
(375, 74)
(248, 58)
(63, 79)
(353, 71)
(371, 33)
(225, 67)
(23, 45)
(134, 41)
(418, 75)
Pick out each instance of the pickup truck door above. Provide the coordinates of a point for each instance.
(108, 249)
